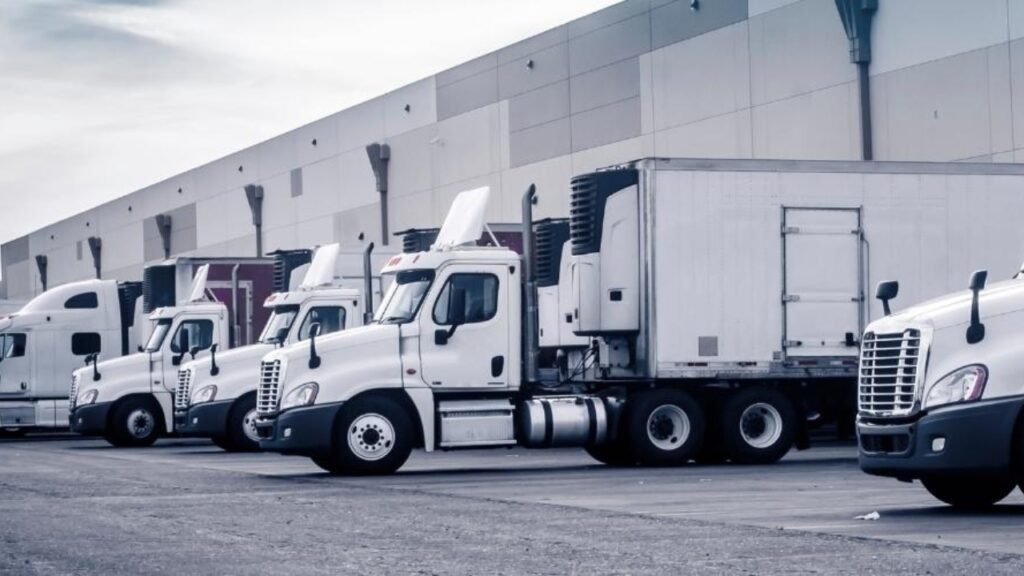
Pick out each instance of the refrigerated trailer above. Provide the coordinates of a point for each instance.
(719, 302)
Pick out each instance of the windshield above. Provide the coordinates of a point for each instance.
(158, 335)
(405, 296)
(281, 319)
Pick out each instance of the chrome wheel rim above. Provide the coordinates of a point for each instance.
(371, 437)
(141, 423)
(249, 426)
(668, 427)
(761, 425)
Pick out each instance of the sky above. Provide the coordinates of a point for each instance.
(99, 98)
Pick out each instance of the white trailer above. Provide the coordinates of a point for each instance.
(720, 304)
(216, 394)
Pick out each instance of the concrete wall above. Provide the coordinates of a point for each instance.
(735, 78)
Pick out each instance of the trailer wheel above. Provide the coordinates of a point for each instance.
(970, 493)
(12, 432)
(664, 427)
(758, 426)
(372, 436)
(241, 433)
(135, 422)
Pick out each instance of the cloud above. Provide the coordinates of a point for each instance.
(102, 97)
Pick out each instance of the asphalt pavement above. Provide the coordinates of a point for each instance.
(78, 506)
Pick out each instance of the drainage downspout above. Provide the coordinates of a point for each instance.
(857, 16)
(96, 247)
(531, 346)
(41, 264)
(163, 225)
(254, 194)
(367, 285)
(380, 155)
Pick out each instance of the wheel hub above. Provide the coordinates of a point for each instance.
(371, 437)
(140, 423)
(249, 426)
(668, 427)
(761, 425)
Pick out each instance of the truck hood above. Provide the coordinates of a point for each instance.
(118, 376)
(337, 342)
(954, 309)
(246, 356)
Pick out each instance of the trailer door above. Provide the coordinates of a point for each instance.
(822, 291)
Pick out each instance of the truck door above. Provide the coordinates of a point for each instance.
(475, 352)
(192, 332)
(822, 290)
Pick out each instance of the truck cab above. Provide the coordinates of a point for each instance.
(129, 400)
(216, 394)
(52, 335)
(941, 393)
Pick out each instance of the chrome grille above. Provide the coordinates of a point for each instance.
(889, 368)
(73, 398)
(182, 397)
(270, 382)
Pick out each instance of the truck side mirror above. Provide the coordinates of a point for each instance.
(456, 316)
(887, 291)
(314, 359)
(457, 307)
(976, 331)
(281, 336)
(182, 346)
(214, 369)
(193, 351)
(95, 370)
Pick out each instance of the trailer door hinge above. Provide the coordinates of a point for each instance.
(793, 343)
(790, 297)
(790, 229)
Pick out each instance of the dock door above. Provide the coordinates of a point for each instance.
(822, 281)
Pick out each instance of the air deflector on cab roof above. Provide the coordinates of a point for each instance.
(465, 221)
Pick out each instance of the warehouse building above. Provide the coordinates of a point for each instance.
(930, 79)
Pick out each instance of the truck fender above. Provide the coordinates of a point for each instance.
(417, 402)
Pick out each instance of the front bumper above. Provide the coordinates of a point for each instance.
(206, 420)
(962, 439)
(306, 431)
(90, 419)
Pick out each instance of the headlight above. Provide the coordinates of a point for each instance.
(88, 397)
(301, 396)
(961, 385)
(204, 394)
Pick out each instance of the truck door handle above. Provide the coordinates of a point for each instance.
(497, 366)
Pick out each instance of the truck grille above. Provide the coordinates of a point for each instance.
(889, 370)
(182, 397)
(270, 382)
(73, 398)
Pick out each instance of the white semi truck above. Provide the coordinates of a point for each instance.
(195, 303)
(711, 304)
(216, 394)
(941, 392)
(52, 335)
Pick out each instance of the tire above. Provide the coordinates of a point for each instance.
(222, 442)
(758, 426)
(241, 433)
(614, 453)
(13, 432)
(135, 422)
(372, 436)
(663, 427)
(969, 493)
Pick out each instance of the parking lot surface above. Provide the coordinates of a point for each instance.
(76, 506)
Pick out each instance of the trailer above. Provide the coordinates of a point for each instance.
(713, 308)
